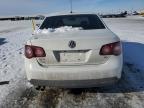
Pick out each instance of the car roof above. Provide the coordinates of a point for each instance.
(68, 13)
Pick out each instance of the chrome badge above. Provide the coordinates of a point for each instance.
(72, 44)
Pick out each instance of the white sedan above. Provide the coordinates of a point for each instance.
(85, 54)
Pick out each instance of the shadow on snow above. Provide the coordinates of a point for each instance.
(2, 41)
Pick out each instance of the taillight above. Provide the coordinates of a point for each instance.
(29, 51)
(111, 49)
(34, 51)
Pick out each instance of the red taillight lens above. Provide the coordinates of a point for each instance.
(39, 52)
(117, 49)
(34, 51)
(28, 51)
(111, 49)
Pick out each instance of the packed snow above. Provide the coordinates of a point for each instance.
(57, 30)
(19, 93)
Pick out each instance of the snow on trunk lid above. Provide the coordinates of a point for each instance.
(57, 30)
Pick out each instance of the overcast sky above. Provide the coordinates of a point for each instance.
(28, 7)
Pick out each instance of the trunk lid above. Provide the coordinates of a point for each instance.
(86, 51)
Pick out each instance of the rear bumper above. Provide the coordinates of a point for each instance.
(75, 83)
(75, 76)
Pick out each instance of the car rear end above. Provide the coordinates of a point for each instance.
(84, 58)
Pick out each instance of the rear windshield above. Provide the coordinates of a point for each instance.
(83, 21)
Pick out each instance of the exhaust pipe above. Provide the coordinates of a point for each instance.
(40, 88)
(43, 88)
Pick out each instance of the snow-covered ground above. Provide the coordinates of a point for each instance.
(131, 32)
(129, 93)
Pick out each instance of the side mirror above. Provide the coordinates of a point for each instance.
(38, 25)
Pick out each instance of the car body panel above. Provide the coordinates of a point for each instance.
(87, 46)
(80, 66)
(111, 69)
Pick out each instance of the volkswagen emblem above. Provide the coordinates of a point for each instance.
(72, 44)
